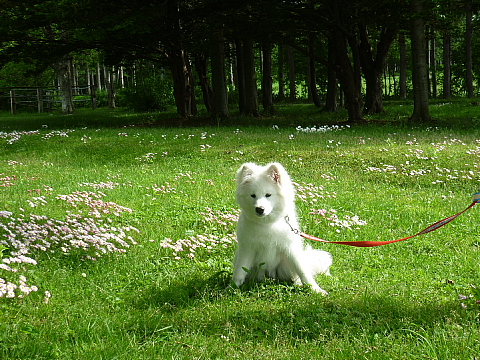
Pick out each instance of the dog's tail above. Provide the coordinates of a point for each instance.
(320, 261)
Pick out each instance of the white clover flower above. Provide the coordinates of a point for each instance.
(47, 297)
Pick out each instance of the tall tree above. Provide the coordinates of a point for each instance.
(281, 71)
(403, 66)
(251, 97)
(183, 85)
(267, 81)
(291, 75)
(178, 56)
(433, 61)
(347, 65)
(373, 65)
(349, 76)
(332, 82)
(240, 75)
(219, 79)
(468, 49)
(63, 68)
(110, 81)
(449, 18)
(447, 65)
(311, 72)
(421, 111)
(201, 66)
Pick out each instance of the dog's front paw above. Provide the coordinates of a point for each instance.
(319, 290)
(238, 281)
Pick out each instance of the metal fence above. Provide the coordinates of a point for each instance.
(42, 98)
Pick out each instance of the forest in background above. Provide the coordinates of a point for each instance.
(245, 55)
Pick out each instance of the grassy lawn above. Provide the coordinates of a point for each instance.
(127, 237)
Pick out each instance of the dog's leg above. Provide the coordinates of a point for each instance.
(305, 273)
(259, 272)
(243, 260)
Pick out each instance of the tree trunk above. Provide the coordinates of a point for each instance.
(348, 77)
(100, 83)
(373, 66)
(240, 75)
(332, 82)
(192, 101)
(433, 63)
(374, 97)
(468, 51)
(182, 82)
(251, 97)
(64, 77)
(403, 66)
(88, 78)
(421, 111)
(447, 65)
(219, 82)
(121, 76)
(202, 71)
(312, 77)
(291, 75)
(267, 81)
(111, 88)
(281, 72)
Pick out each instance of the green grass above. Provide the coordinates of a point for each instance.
(399, 301)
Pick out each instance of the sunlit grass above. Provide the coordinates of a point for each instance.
(169, 296)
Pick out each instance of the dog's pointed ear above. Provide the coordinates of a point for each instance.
(276, 171)
(245, 171)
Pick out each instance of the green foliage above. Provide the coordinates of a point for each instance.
(17, 74)
(102, 99)
(153, 93)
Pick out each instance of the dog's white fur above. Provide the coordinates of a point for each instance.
(266, 195)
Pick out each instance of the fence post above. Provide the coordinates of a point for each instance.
(40, 99)
(13, 104)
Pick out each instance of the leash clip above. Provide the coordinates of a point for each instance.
(295, 231)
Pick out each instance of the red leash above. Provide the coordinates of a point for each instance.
(433, 227)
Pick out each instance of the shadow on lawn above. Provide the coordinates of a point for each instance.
(327, 319)
(269, 310)
(185, 293)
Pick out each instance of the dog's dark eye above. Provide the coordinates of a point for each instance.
(253, 196)
(268, 195)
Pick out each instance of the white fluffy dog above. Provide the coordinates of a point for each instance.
(267, 246)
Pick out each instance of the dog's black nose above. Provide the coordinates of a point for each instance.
(260, 210)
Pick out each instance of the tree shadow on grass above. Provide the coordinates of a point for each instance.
(329, 319)
(184, 292)
(271, 310)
